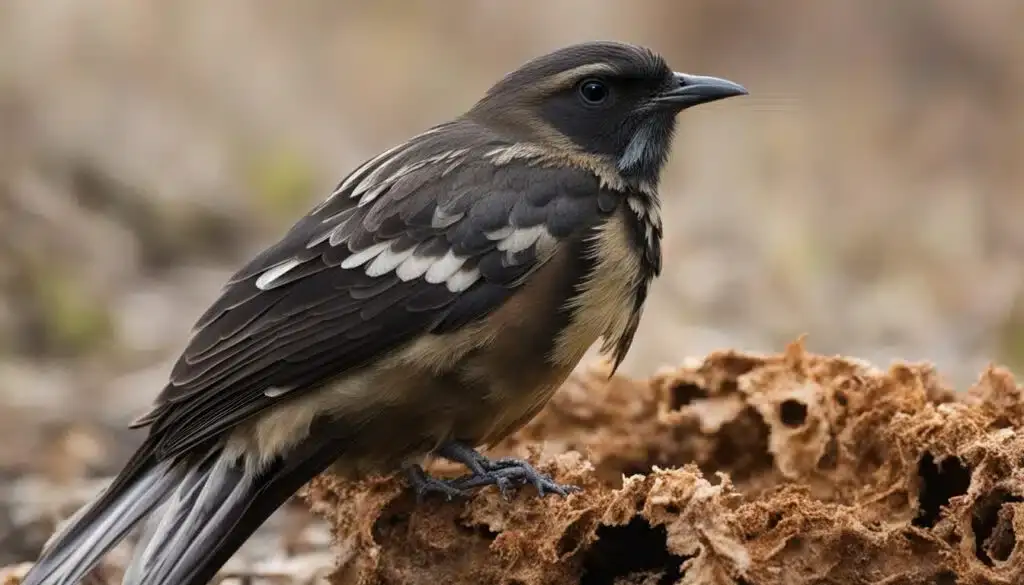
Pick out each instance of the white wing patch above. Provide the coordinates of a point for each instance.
(443, 269)
(365, 255)
(373, 178)
(266, 280)
(462, 280)
(521, 239)
(500, 233)
(381, 258)
(414, 267)
(388, 260)
(518, 240)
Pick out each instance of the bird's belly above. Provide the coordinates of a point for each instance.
(506, 389)
(412, 412)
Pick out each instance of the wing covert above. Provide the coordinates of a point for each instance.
(410, 243)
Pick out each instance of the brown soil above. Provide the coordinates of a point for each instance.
(745, 469)
(738, 469)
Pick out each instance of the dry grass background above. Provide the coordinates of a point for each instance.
(869, 191)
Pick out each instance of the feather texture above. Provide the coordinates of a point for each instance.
(446, 287)
(422, 240)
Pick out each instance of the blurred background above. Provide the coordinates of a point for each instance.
(869, 192)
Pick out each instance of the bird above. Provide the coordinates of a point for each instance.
(429, 306)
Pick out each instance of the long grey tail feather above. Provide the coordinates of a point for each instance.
(212, 506)
(172, 514)
(220, 503)
(99, 526)
(188, 528)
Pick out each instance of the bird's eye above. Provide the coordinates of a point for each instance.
(593, 91)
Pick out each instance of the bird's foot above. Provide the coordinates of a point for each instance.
(514, 472)
(503, 472)
(423, 483)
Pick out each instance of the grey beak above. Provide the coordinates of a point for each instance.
(692, 90)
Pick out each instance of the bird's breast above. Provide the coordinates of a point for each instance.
(609, 295)
(587, 290)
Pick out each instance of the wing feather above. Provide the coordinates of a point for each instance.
(423, 239)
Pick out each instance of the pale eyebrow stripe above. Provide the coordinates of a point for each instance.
(567, 78)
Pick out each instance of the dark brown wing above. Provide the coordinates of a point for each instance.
(425, 238)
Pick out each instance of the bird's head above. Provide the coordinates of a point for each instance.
(614, 100)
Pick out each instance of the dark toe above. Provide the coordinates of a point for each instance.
(423, 484)
(518, 472)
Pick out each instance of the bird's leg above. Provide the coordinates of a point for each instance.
(423, 483)
(501, 472)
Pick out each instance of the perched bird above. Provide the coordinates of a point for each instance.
(430, 305)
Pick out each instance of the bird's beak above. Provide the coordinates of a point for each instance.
(691, 90)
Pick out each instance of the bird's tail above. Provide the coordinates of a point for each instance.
(212, 506)
(99, 526)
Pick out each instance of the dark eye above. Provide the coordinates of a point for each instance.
(593, 91)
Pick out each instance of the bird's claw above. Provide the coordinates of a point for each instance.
(503, 473)
(507, 471)
(423, 484)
